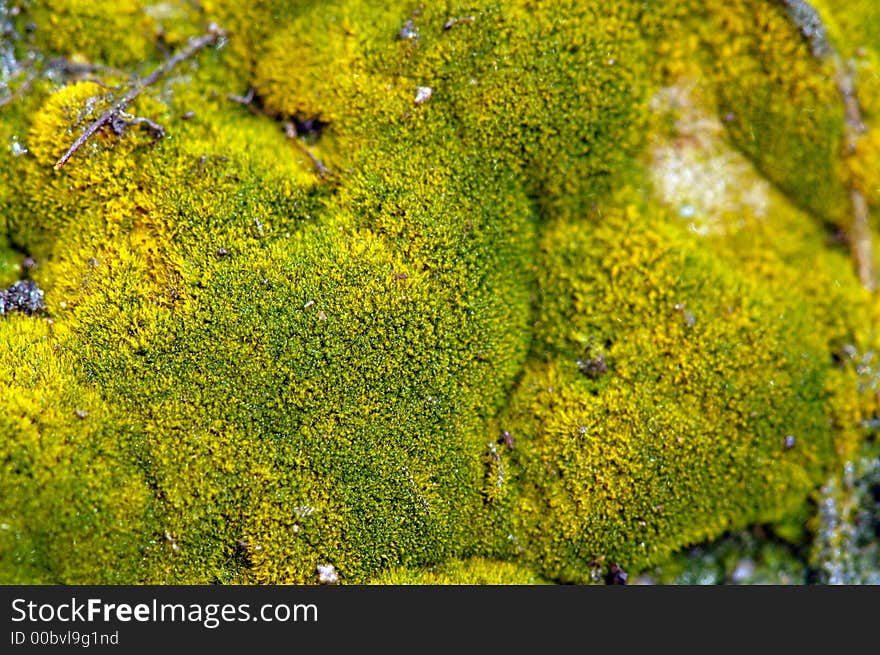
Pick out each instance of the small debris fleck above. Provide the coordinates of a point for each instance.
(308, 304)
(400, 276)
(808, 20)
(616, 575)
(17, 149)
(187, 115)
(222, 252)
(846, 353)
(322, 316)
(688, 317)
(172, 541)
(23, 296)
(327, 574)
(409, 31)
(453, 21)
(507, 438)
(81, 413)
(789, 442)
(593, 368)
(744, 571)
(423, 94)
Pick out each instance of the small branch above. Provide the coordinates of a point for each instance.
(463, 19)
(289, 126)
(123, 120)
(20, 91)
(101, 83)
(214, 33)
(68, 68)
(246, 100)
(291, 133)
(860, 240)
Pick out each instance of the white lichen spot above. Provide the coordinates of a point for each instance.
(695, 171)
(423, 94)
(327, 574)
(409, 31)
(17, 148)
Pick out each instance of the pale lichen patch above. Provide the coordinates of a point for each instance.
(695, 171)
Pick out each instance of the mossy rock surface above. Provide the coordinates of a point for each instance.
(420, 308)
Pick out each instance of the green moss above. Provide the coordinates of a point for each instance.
(779, 100)
(462, 572)
(667, 444)
(315, 369)
(74, 507)
(10, 265)
(858, 22)
(131, 33)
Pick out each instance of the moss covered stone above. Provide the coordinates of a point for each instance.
(415, 305)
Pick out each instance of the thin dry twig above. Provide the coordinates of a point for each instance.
(291, 133)
(20, 91)
(289, 126)
(115, 112)
(462, 19)
(76, 70)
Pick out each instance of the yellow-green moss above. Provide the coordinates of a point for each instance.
(685, 434)
(74, 507)
(779, 100)
(476, 571)
(10, 265)
(311, 370)
(130, 33)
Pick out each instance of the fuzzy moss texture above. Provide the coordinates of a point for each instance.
(481, 347)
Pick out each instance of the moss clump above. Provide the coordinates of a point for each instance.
(778, 96)
(73, 504)
(444, 326)
(614, 463)
(476, 571)
(10, 266)
(129, 34)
